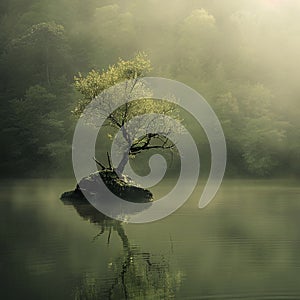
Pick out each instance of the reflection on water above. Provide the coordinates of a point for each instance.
(244, 245)
(136, 273)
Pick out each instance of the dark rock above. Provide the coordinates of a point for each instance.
(122, 187)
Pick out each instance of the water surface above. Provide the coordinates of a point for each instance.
(244, 245)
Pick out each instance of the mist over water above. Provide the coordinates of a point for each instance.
(243, 245)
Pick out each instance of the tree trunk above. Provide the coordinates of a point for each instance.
(124, 160)
(122, 164)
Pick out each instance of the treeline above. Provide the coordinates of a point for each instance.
(242, 57)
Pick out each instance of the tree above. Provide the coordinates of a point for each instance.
(46, 42)
(254, 134)
(133, 70)
(39, 134)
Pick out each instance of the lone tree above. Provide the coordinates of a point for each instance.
(133, 71)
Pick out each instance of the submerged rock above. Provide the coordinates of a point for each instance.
(122, 187)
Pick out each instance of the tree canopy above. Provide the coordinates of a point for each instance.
(133, 71)
(241, 56)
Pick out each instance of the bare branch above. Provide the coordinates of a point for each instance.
(145, 143)
(97, 162)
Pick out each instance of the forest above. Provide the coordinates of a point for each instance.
(241, 56)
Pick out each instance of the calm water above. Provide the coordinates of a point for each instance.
(244, 245)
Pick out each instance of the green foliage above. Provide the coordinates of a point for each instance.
(31, 112)
(133, 70)
(94, 83)
(42, 34)
(243, 58)
(261, 144)
(39, 134)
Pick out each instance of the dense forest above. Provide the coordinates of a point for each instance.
(242, 56)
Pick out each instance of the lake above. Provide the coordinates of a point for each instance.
(244, 245)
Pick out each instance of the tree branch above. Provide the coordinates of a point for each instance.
(97, 162)
(145, 143)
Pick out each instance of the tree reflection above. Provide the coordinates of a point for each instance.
(136, 274)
